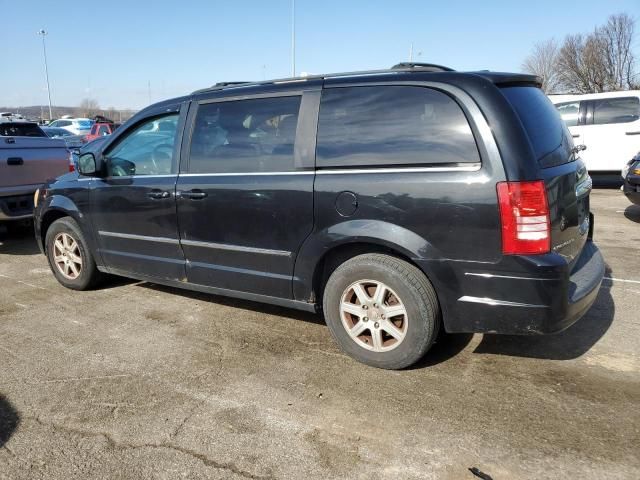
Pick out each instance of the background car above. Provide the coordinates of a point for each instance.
(72, 141)
(608, 124)
(101, 129)
(77, 126)
(631, 176)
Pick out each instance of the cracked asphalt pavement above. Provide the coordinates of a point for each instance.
(138, 381)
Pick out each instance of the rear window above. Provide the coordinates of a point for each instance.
(392, 125)
(616, 110)
(84, 123)
(21, 130)
(547, 132)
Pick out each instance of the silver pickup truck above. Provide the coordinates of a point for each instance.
(28, 158)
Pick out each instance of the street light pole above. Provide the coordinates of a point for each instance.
(43, 33)
(293, 38)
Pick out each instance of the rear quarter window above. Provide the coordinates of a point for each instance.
(547, 132)
(616, 110)
(392, 125)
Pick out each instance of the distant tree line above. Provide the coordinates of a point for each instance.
(600, 61)
(87, 108)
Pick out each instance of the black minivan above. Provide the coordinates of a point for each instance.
(398, 202)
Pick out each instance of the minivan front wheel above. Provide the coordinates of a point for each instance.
(381, 310)
(69, 257)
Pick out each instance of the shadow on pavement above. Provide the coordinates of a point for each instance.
(566, 345)
(632, 212)
(447, 346)
(18, 239)
(9, 420)
(239, 303)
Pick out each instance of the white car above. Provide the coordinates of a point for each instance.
(77, 126)
(608, 124)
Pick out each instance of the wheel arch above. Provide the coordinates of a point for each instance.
(60, 206)
(325, 250)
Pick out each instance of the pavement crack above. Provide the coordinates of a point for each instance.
(182, 423)
(209, 462)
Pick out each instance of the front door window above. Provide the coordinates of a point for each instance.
(147, 150)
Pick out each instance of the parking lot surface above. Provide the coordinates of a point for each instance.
(134, 381)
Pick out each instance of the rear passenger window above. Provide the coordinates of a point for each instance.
(392, 125)
(616, 110)
(255, 135)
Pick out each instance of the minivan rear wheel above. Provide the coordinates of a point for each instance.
(381, 310)
(69, 257)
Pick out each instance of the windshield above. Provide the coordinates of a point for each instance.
(548, 134)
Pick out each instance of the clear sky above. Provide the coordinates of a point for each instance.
(110, 50)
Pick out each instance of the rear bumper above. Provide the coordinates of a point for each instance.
(18, 207)
(632, 191)
(542, 297)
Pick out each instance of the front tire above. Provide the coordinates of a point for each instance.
(69, 256)
(381, 310)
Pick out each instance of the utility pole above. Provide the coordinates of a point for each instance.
(43, 33)
(293, 38)
(149, 90)
(411, 53)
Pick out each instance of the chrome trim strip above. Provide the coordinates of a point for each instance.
(498, 303)
(235, 248)
(472, 167)
(164, 175)
(510, 277)
(240, 174)
(242, 271)
(145, 238)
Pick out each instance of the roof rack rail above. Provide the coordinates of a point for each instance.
(400, 67)
(228, 84)
(432, 67)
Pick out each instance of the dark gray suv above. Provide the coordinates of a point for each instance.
(398, 202)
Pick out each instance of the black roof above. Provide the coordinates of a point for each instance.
(401, 72)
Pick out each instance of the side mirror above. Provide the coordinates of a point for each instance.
(89, 165)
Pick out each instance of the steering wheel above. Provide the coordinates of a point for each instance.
(161, 153)
(118, 171)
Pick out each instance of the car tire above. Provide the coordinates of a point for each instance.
(69, 256)
(381, 310)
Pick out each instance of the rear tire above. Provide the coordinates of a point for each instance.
(69, 256)
(381, 310)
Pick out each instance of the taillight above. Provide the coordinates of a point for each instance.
(524, 213)
(72, 164)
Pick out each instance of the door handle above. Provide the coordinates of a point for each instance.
(194, 194)
(15, 161)
(575, 135)
(158, 194)
(633, 133)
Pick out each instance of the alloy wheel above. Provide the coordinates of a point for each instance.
(66, 256)
(373, 315)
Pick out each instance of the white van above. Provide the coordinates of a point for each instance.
(608, 124)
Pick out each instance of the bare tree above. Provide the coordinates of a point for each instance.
(597, 62)
(88, 108)
(543, 62)
(617, 34)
